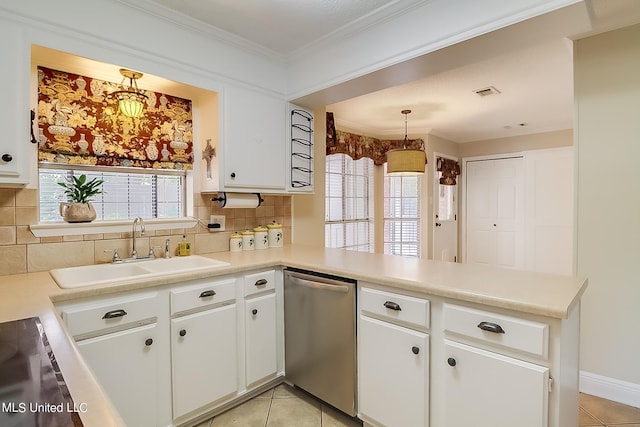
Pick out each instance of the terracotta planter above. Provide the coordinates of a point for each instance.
(77, 212)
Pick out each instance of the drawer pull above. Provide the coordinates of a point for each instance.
(491, 327)
(114, 313)
(415, 350)
(261, 282)
(208, 293)
(392, 306)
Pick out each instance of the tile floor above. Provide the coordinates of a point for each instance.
(282, 406)
(595, 411)
(285, 406)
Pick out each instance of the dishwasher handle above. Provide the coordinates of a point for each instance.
(318, 285)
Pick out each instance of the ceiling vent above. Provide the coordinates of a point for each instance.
(490, 90)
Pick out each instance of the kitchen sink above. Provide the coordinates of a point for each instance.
(100, 274)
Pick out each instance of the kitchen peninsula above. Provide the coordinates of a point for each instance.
(544, 309)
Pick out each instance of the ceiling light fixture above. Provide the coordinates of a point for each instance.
(406, 161)
(130, 99)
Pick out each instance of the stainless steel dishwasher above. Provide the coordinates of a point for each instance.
(320, 336)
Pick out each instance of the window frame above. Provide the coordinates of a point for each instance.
(401, 218)
(348, 218)
(61, 228)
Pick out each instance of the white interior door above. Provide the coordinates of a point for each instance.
(495, 212)
(445, 227)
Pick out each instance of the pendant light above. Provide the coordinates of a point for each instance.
(130, 99)
(406, 161)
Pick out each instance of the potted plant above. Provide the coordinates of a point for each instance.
(80, 192)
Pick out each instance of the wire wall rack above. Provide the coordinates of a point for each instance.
(301, 149)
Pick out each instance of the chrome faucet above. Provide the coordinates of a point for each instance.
(134, 252)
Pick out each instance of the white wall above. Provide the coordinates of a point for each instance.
(143, 42)
(607, 89)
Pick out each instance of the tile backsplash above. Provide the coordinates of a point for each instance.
(22, 252)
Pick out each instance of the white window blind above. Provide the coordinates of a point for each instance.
(126, 193)
(349, 203)
(401, 215)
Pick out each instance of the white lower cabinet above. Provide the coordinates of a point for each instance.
(261, 338)
(126, 365)
(121, 340)
(487, 389)
(393, 359)
(203, 358)
(393, 374)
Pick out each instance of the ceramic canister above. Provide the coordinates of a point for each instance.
(248, 240)
(276, 238)
(261, 237)
(235, 242)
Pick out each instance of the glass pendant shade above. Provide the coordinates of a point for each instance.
(130, 99)
(130, 106)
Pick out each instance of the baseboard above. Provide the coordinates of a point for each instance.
(610, 388)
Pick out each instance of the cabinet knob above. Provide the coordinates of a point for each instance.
(7, 157)
(415, 350)
(183, 332)
(254, 311)
(148, 342)
(451, 361)
(233, 175)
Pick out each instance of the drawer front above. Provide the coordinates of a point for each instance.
(202, 293)
(396, 307)
(259, 282)
(94, 318)
(506, 331)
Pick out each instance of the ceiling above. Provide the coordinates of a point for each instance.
(534, 81)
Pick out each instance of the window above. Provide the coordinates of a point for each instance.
(401, 215)
(127, 193)
(349, 203)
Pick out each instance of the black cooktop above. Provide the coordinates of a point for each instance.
(32, 389)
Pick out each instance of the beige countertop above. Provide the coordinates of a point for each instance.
(31, 294)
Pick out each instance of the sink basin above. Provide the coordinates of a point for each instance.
(181, 264)
(89, 275)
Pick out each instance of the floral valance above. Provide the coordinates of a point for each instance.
(450, 170)
(358, 146)
(79, 123)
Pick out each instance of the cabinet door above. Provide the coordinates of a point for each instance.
(486, 389)
(393, 365)
(261, 338)
(126, 365)
(254, 140)
(14, 110)
(203, 358)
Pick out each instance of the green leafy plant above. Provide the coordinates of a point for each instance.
(79, 190)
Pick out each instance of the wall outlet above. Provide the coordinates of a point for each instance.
(216, 223)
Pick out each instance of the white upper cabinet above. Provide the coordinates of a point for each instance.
(14, 110)
(253, 141)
